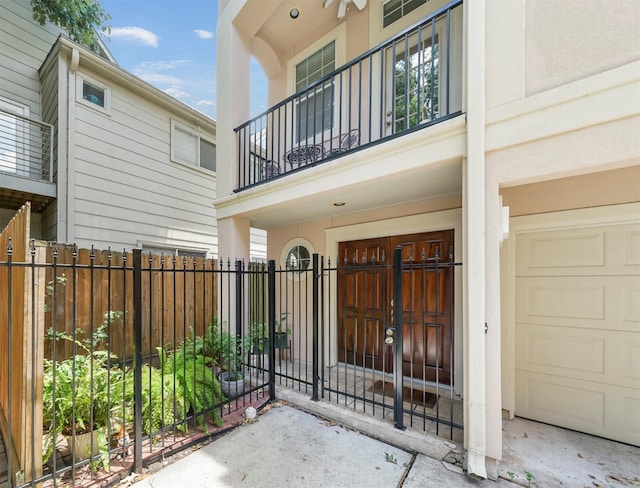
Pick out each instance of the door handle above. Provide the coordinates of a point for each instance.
(389, 335)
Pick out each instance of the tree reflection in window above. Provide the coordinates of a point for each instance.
(298, 259)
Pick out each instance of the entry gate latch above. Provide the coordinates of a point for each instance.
(389, 335)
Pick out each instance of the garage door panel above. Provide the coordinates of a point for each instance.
(632, 247)
(560, 298)
(631, 359)
(599, 356)
(630, 414)
(574, 249)
(551, 349)
(597, 409)
(609, 250)
(577, 320)
(598, 302)
(556, 400)
(632, 304)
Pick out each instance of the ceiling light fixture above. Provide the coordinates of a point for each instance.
(294, 13)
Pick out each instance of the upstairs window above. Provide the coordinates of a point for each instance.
(92, 93)
(394, 10)
(14, 138)
(188, 147)
(314, 108)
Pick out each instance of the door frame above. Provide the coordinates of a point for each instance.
(414, 224)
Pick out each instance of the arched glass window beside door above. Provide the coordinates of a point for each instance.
(296, 257)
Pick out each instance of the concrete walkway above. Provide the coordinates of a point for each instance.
(289, 448)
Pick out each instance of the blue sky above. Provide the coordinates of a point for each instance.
(171, 44)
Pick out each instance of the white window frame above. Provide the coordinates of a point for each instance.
(379, 34)
(311, 101)
(390, 97)
(296, 275)
(21, 145)
(339, 36)
(157, 248)
(81, 79)
(176, 126)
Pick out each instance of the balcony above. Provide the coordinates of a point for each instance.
(407, 83)
(26, 161)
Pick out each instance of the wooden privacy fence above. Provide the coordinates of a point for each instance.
(48, 289)
(21, 338)
(86, 288)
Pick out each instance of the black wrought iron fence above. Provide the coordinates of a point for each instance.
(149, 354)
(348, 344)
(138, 356)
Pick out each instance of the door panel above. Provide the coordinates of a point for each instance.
(427, 306)
(362, 304)
(365, 293)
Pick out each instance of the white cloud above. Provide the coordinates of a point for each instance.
(161, 65)
(176, 92)
(208, 103)
(203, 34)
(135, 34)
(155, 78)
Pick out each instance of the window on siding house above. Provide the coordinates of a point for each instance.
(14, 138)
(190, 148)
(393, 10)
(169, 251)
(207, 155)
(315, 108)
(93, 94)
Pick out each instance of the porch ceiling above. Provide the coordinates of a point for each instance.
(268, 20)
(424, 183)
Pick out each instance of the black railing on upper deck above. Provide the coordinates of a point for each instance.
(409, 82)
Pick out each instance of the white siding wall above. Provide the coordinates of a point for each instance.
(49, 89)
(127, 190)
(23, 46)
(258, 247)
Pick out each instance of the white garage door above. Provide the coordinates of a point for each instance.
(578, 320)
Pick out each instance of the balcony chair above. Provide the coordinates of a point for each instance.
(269, 169)
(347, 142)
(303, 155)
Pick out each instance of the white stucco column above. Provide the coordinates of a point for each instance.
(474, 252)
(232, 90)
(234, 238)
(233, 96)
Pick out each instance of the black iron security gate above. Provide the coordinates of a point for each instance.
(371, 366)
(137, 346)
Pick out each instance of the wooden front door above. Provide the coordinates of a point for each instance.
(365, 304)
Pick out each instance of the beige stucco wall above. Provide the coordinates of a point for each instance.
(314, 232)
(595, 189)
(568, 40)
(536, 45)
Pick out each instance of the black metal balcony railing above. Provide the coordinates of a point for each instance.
(409, 82)
(26, 147)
